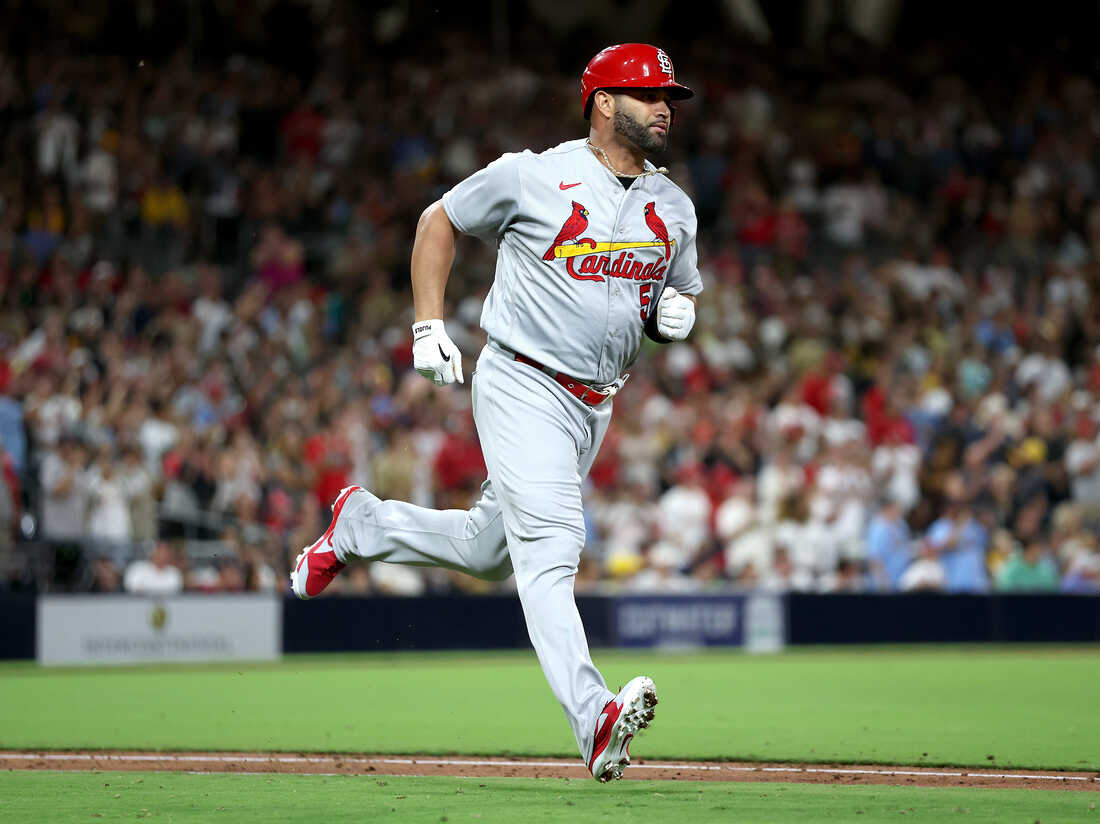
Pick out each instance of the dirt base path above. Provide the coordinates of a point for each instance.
(473, 766)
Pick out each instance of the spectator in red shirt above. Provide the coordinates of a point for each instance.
(301, 131)
(328, 460)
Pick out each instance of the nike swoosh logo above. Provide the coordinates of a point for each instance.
(563, 185)
(444, 355)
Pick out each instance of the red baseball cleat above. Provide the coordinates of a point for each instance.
(317, 565)
(629, 711)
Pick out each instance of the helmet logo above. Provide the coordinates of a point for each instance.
(665, 63)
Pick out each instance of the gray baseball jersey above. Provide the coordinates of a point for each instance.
(581, 260)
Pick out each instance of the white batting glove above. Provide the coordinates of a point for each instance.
(675, 314)
(435, 355)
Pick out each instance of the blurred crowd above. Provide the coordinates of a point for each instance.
(205, 309)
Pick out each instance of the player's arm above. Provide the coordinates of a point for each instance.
(482, 205)
(434, 354)
(433, 255)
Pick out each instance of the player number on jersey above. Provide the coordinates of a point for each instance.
(644, 290)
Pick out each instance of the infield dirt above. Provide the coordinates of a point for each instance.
(467, 766)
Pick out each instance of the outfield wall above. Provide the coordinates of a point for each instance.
(935, 618)
(496, 622)
(347, 624)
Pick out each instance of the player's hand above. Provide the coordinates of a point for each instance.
(675, 314)
(435, 355)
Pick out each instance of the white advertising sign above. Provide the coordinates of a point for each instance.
(125, 629)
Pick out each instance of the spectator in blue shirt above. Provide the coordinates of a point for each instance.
(960, 541)
(889, 549)
(12, 436)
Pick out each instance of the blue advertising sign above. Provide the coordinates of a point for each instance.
(755, 621)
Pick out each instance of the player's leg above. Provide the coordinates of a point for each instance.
(537, 447)
(366, 528)
(613, 725)
(470, 541)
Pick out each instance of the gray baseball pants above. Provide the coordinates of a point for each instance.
(539, 443)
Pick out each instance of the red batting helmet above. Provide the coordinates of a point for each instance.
(630, 66)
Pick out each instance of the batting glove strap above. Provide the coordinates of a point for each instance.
(435, 355)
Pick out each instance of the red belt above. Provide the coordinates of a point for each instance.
(581, 391)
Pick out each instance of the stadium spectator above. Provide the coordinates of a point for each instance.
(684, 515)
(889, 546)
(782, 575)
(211, 264)
(1083, 462)
(108, 519)
(157, 575)
(10, 510)
(65, 485)
(926, 573)
(959, 541)
(1083, 574)
(139, 489)
(105, 576)
(1032, 570)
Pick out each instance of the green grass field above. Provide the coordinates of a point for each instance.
(973, 706)
(244, 799)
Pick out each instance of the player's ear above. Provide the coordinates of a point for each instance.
(604, 102)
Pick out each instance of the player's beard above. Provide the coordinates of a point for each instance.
(647, 140)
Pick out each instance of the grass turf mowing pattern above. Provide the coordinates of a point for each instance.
(265, 799)
(978, 706)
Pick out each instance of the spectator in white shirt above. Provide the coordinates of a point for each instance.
(783, 575)
(684, 513)
(99, 175)
(58, 138)
(925, 574)
(895, 466)
(108, 508)
(155, 576)
(747, 542)
(844, 207)
(65, 488)
(1083, 461)
(779, 478)
(794, 419)
(1045, 370)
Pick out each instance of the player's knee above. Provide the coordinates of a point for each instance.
(545, 532)
(493, 567)
(499, 571)
(539, 581)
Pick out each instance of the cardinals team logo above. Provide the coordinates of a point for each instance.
(595, 258)
(654, 222)
(571, 230)
(665, 63)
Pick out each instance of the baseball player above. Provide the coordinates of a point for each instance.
(596, 247)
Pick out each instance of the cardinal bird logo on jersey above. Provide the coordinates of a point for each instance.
(637, 260)
(657, 226)
(571, 230)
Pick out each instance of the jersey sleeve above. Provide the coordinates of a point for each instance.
(683, 274)
(485, 203)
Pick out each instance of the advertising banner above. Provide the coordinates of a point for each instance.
(754, 621)
(125, 629)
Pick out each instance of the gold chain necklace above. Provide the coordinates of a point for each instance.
(661, 170)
